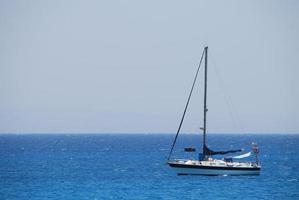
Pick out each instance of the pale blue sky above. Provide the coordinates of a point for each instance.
(127, 66)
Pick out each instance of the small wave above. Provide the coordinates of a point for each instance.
(292, 180)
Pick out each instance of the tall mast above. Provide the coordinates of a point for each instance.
(178, 131)
(205, 104)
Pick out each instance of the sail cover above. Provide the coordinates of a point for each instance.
(210, 152)
(243, 155)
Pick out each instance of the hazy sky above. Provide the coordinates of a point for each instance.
(127, 66)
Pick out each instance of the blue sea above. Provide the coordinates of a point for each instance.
(132, 166)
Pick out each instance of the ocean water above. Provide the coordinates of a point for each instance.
(124, 166)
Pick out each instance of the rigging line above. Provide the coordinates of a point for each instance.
(233, 114)
(176, 136)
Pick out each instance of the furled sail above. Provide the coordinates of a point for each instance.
(243, 155)
(210, 152)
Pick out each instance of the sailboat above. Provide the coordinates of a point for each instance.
(206, 164)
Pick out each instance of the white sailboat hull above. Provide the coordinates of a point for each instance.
(199, 169)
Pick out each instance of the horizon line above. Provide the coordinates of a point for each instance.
(142, 133)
